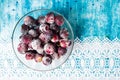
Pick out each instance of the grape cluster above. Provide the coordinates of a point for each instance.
(43, 39)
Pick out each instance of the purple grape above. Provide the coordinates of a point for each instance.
(65, 43)
(54, 27)
(64, 33)
(26, 38)
(35, 44)
(39, 50)
(25, 29)
(41, 20)
(29, 56)
(62, 51)
(44, 28)
(38, 57)
(45, 37)
(50, 18)
(33, 33)
(22, 48)
(49, 48)
(55, 38)
(29, 20)
(47, 60)
(59, 20)
(55, 56)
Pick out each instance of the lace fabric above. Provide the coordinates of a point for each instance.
(89, 59)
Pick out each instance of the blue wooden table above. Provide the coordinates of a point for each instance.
(96, 26)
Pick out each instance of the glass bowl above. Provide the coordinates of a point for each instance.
(31, 63)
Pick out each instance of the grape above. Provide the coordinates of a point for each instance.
(50, 18)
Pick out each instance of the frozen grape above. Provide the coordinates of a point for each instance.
(39, 50)
(54, 27)
(49, 48)
(65, 43)
(55, 38)
(29, 56)
(24, 28)
(22, 48)
(64, 33)
(47, 60)
(62, 51)
(26, 38)
(45, 37)
(50, 17)
(29, 20)
(38, 57)
(55, 56)
(33, 33)
(59, 20)
(35, 43)
(44, 27)
(41, 20)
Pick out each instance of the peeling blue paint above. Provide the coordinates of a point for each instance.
(96, 18)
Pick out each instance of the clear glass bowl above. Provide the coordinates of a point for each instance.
(31, 63)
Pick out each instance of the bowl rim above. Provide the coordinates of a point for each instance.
(49, 11)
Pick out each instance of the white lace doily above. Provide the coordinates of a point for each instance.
(91, 59)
